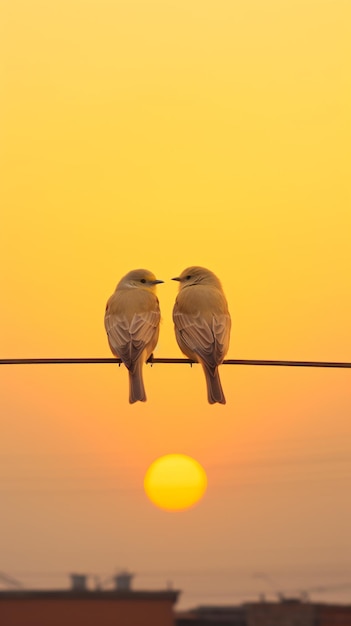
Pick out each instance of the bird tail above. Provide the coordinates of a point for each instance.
(136, 384)
(214, 387)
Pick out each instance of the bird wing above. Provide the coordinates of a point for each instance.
(221, 325)
(208, 341)
(127, 339)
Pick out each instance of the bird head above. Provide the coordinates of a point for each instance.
(196, 275)
(139, 278)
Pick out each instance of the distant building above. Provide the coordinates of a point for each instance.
(284, 613)
(121, 606)
(81, 607)
(212, 616)
(287, 612)
(333, 615)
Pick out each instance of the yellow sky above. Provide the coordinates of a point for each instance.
(161, 135)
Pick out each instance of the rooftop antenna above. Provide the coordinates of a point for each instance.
(272, 584)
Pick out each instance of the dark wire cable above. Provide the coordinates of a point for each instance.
(152, 361)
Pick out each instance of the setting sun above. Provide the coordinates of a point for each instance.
(175, 482)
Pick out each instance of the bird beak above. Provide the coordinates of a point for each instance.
(157, 282)
(177, 278)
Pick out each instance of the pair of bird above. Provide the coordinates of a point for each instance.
(201, 320)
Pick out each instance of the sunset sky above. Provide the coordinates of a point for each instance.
(164, 134)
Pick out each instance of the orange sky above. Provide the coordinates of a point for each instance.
(162, 135)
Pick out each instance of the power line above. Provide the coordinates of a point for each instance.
(264, 362)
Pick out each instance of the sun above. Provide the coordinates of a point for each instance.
(175, 482)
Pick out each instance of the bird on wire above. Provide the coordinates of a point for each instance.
(132, 320)
(202, 324)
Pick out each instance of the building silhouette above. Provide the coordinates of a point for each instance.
(286, 612)
(123, 606)
(120, 606)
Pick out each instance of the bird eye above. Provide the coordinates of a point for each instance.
(142, 280)
(188, 277)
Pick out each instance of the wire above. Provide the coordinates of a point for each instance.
(152, 361)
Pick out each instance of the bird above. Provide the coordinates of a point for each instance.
(202, 324)
(132, 320)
